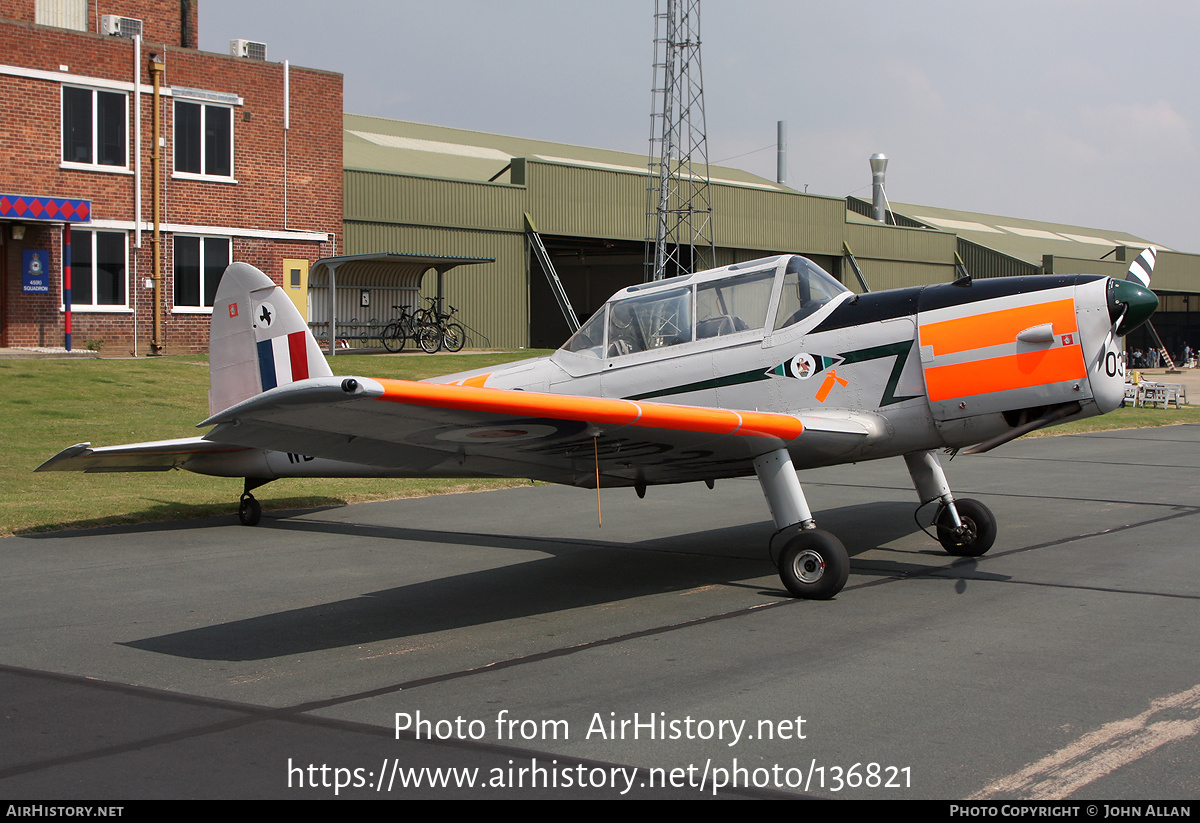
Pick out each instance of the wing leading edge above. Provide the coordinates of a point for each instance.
(430, 429)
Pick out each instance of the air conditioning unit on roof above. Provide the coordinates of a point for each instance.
(120, 26)
(248, 49)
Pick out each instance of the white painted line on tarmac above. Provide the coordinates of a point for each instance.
(1103, 751)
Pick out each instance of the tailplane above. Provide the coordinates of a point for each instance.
(257, 341)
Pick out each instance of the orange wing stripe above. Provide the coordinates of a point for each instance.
(1015, 371)
(996, 328)
(599, 410)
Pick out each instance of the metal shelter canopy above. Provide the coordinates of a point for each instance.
(388, 269)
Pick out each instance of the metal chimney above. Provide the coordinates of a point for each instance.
(781, 154)
(878, 167)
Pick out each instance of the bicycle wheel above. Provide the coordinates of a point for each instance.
(454, 337)
(429, 338)
(393, 337)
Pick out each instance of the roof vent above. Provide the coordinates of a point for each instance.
(120, 26)
(249, 49)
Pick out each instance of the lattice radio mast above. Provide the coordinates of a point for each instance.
(679, 237)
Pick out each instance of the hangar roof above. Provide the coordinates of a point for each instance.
(1023, 239)
(400, 147)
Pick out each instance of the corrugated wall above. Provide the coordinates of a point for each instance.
(984, 262)
(893, 258)
(759, 219)
(492, 298)
(394, 198)
(582, 202)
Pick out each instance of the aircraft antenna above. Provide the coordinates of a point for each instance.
(679, 237)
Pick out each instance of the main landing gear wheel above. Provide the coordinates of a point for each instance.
(978, 531)
(250, 510)
(814, 565)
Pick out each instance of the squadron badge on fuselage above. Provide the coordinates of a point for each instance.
(804, 365)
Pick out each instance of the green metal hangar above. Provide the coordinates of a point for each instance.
(430, 190)
(436, 192)
(993, 246)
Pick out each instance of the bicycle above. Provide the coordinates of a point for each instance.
(451, 336)
(396, 333)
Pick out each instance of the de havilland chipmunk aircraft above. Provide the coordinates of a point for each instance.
(759, 368)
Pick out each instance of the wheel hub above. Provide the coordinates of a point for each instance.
(809, 566)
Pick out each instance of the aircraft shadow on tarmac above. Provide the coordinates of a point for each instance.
(577, 573)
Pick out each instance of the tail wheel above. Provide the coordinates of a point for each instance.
(429, 338)
(814, 565)
(978, 531)
(393, 337)
(249, 511)
(454, 337)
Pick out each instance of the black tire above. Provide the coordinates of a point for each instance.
(979, 526)
(454, 337)
(250, 511)
(814, 565)
(393, 337)
(429, 338)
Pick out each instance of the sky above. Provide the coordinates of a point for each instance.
(1083, 112)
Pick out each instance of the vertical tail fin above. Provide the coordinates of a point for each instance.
(257, 340)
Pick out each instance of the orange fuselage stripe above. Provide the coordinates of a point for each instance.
(599, 410)
(997, 328)
(1015, 371)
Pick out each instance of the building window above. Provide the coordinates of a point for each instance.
(199, 264)
(94, 127)
(203, 139)
(99, 263)
(65, 14)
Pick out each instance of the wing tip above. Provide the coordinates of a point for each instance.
(66, 454)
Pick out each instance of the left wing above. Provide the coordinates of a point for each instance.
(431, 429)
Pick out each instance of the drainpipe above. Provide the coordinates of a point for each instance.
(157, 67)
(133, 285)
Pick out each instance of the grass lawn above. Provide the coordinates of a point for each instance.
(1126, 418)
(49, 404)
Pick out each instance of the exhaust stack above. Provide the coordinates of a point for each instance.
(878, 198)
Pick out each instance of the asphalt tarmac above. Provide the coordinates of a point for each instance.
(525, 651)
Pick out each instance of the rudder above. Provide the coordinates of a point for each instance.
(257, 339)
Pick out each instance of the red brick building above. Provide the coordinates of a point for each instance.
(249, 168)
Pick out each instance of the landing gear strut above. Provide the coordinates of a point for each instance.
(965, 528)
(813, 564)
(249, 509)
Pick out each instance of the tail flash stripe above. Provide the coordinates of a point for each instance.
(298, 353)
(266, 365)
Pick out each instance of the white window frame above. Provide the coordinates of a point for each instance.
(204, 105)
(76, 236)
(178, 308)
(95, 165)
